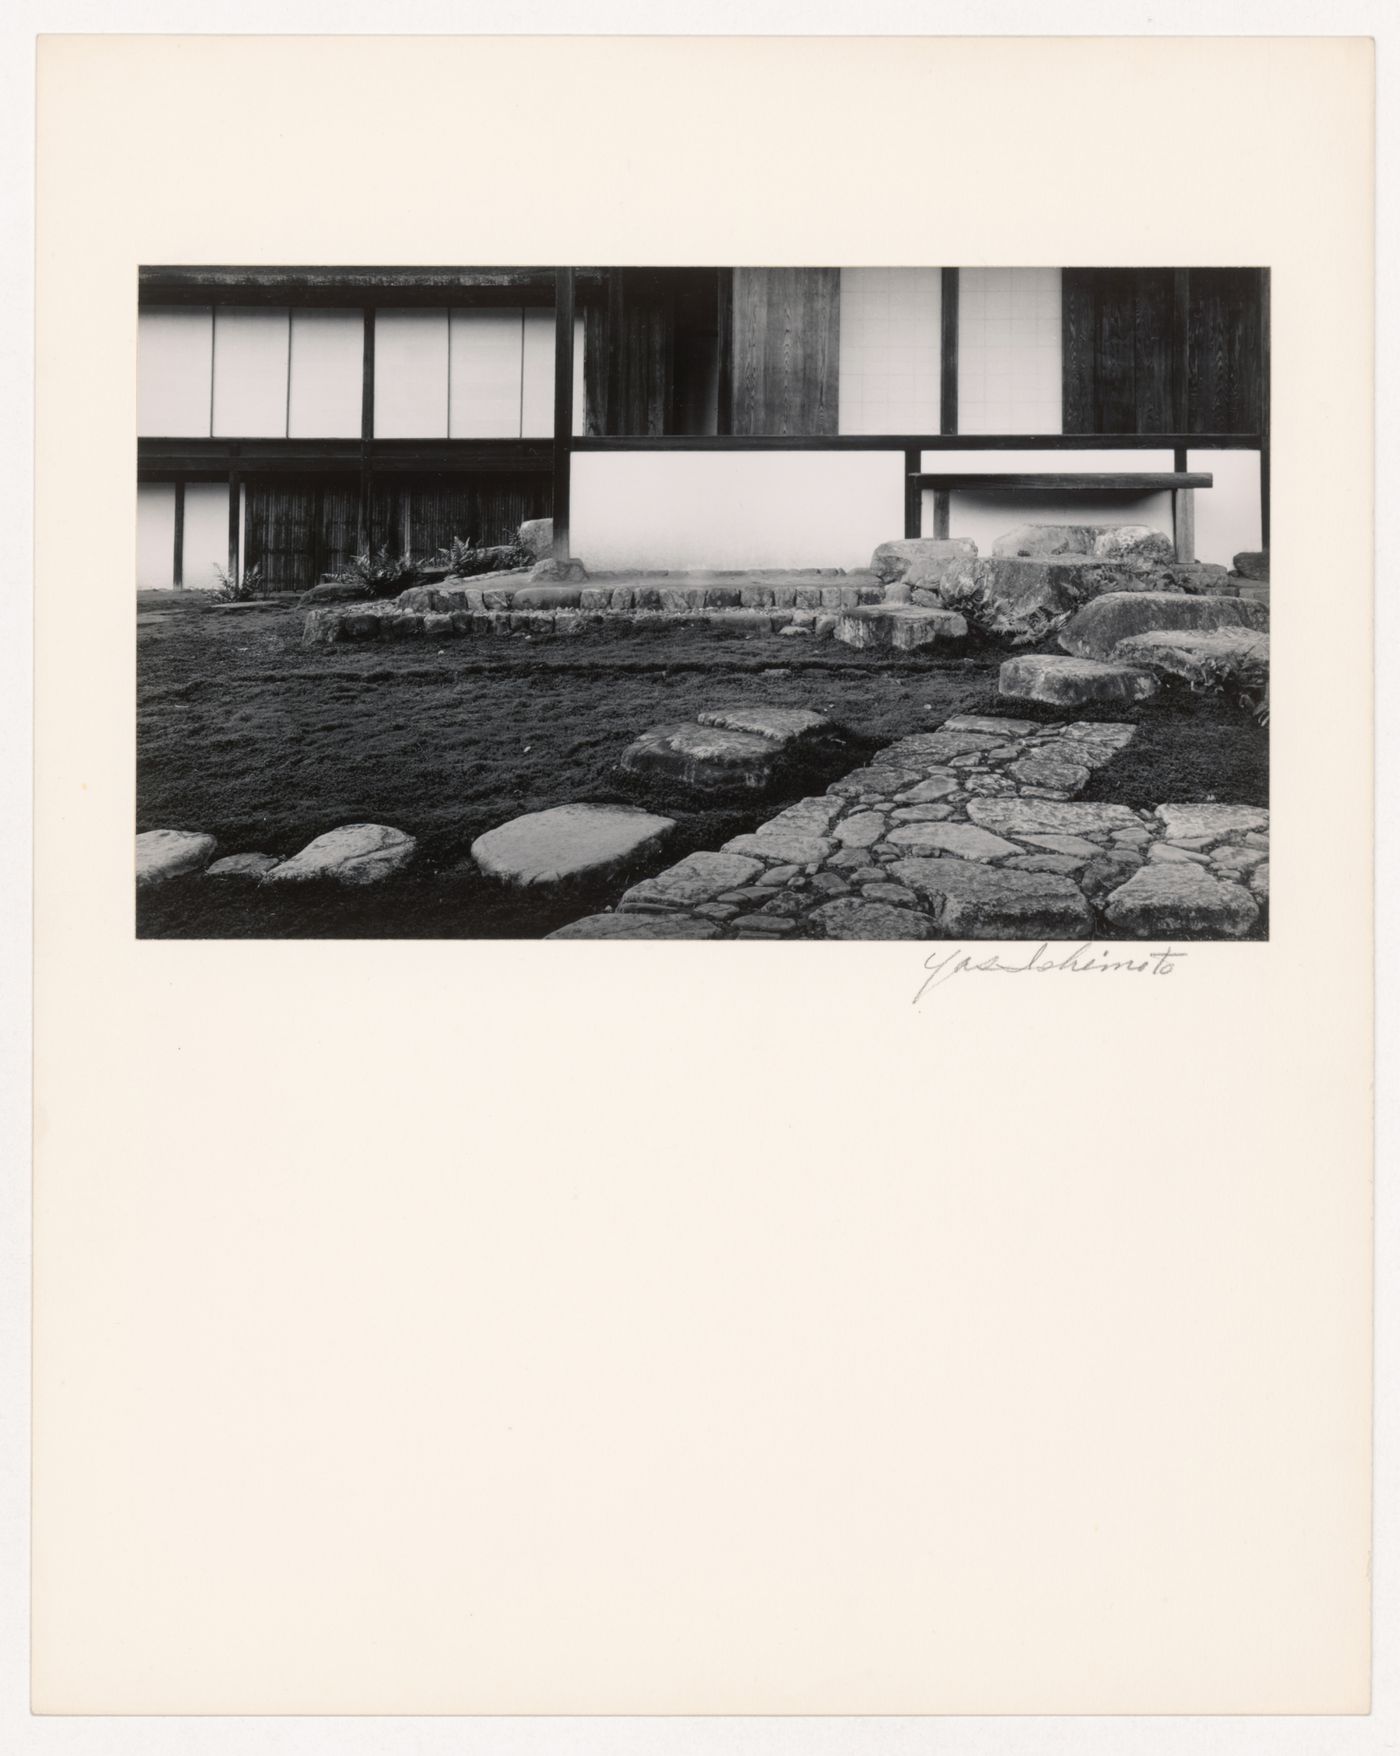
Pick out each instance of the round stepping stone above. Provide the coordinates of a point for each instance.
(242, 866)
(1183, 898)
(707, 758)
(356, 853)
(162, 854)
(1071, 682)
(569, 843)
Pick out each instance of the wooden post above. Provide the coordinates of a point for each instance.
(615, 330)
(177, 578)
(1184, 523)
(913, 493)
(563, 405)
(366, 534)
(235, 520)
(942, 511)
(724, 345)
(948, 367)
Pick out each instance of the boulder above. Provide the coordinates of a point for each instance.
(335, 591)
(356, 853)
(637, 927)
(248, 866)
(1180, 898)
(851, 917)
(1020, 602)
(1253, 564)
(898, 560)
(329, 627)
(898, 627)
(1096, 630)
(1135, 541)
(569, 842)
(698, 878)
(1073, 682)
(1189, 654)
(1040, 541)
(537, 535)
(552, 572)
(971, 901)
(162, 854)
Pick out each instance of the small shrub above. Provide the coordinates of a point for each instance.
(1242, 677)
(383, 575)
(463, 561)
(232, 590)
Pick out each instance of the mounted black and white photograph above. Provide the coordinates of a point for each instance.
(709, 603)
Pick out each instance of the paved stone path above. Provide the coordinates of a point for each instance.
(970, 831)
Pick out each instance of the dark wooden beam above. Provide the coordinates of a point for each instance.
(178, 576)
(1181, 362)
(948, 355)
(1128, 481)
(924, 441)
(563, 405)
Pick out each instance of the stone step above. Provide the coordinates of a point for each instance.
(1073, 682)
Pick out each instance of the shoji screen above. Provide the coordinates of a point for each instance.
(174, 354)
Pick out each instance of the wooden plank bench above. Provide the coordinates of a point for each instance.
(1181, 484)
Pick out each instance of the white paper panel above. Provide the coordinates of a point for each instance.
(250, 373)
(485, 374)
(891, 336)
(410, 375)
(537, 393)
(173, 354)
(1009, 371)
(327, 375)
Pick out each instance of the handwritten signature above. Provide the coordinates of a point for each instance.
(1085, 959)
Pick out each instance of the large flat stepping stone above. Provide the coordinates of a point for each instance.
(898, 627)
(1210, 823)
(706, 758)
(909, 557)
(1095, 631)
(356, 853)
(1190, 654)
(1050, 817)
(995, 902)
(696, 879)
(568, 843)
(1180, 897)
(1073, 682)
(162, 854)
(640, 926)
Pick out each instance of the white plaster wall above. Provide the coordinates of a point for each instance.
(1227, 514)
(155, 536)
(537, 377)
(891, 330)
(327, 375)
(1009, 350)
(206, 533)
(250, 373)
(174, 350)
(738, 509)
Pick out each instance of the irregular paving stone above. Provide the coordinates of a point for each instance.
(1259, 881)
(242, 866)
(855, 918)
(702, 877)
(1080, 752)
(356, 853)
(1066, 864)
(934, 748)
(1180, 899)
(717, 911)
(1237, 862)
(964, 840)
(1096, 630)
(1191, 654)
(762, 926)
(786, 847)
(849, 859)
(860, 830)
(893, 561)
(882, 781)
(638, 926)
(992, 902)
(1044, 817)
(1107, 872)
(897, 895)
(829, 884)
(898, 627)
(1163, 851)
(1069, 682)
(987, 726)
(170, 853)
(808, 816)
(783, 874)
(569, 842)
(1066, 844)
(1210, 822)
(780, 724)
(937, 786)
(922, 814)
(704, 757)
(1044, 771)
